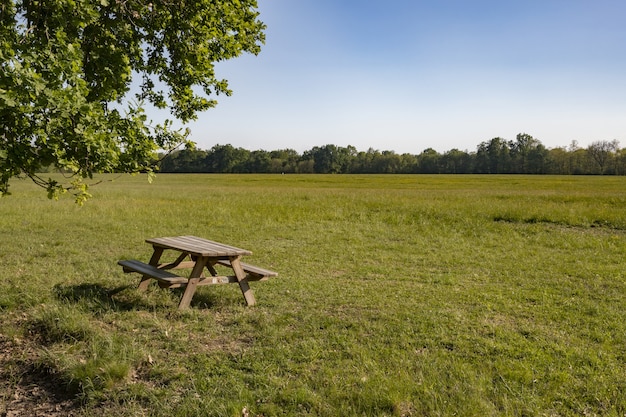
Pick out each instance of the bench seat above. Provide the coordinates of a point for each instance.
(132, 265)
(256, 273)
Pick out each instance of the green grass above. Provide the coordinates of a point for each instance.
(397, 296)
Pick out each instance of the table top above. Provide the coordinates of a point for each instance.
(197, 246)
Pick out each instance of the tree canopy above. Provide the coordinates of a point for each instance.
(76, 75)
(524, 155)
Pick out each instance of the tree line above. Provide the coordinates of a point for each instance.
(524, 155)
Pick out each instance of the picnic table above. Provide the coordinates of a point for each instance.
(196, 254)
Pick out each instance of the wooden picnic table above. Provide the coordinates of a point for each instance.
(197, 254)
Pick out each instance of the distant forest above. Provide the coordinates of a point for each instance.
(524, 155)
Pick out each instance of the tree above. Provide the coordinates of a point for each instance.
(186, 160)
(388, 162)
(258, 162)
(493, 157)
(620, 160)
(330, 159)
(456, 162)
(601, 152)
(559, 161)
(366, 162)
(521, 150)
(284, 160)
(66, 68)
(538, 160)
(429, 161)
(226, 159)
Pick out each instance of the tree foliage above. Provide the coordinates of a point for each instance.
(524, 155)
(76, 75)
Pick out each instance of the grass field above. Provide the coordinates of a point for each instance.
(397, 296)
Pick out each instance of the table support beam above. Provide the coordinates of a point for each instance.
(243, 281)
(192, 284)
(154, 261)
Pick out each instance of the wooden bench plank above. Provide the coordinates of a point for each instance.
(132, 265)
(173, 265)
(176, 281)
(253, 270)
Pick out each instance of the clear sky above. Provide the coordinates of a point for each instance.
(406, 75)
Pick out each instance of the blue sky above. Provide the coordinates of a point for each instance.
(406, 75)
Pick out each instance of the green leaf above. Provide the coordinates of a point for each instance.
(66, 75)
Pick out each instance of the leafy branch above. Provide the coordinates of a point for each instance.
(67, 66)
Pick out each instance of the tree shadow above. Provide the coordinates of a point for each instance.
(96, 296)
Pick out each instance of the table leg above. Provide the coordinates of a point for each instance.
(192, 284)
(154, 261)
(243, 282)
(211, 267)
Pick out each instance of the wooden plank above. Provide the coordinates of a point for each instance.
(166, 279)
(254, 272)
(190, 290)
(132, 265)
(251, 269)
(243, 282)
(198, 246)
(154, 260)
(174, 265)
(194, 278)
(218, 280)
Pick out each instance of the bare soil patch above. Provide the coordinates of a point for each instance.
(26, 390)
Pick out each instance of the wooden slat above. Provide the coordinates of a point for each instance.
(182, 265)
(218, 280)
(176, 264)
(192, 283)
(198, 246)
(251, 269)
(242, 278)
(132, 265)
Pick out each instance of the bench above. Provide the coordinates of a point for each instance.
(164, 277)
(197, 254)
(171, 280)
(255, 273)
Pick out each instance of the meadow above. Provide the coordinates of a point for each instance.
(397, 295)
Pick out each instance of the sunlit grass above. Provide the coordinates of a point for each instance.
(397, 295)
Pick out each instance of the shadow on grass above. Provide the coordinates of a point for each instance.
(126, 297)
(201, 299)
(95, 295)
